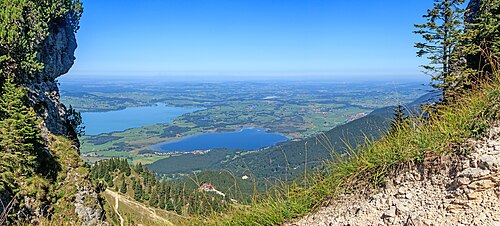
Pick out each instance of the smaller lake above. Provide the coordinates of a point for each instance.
(245, 139)
(104, 122)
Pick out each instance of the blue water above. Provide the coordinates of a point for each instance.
(110, 121)
(245, 139)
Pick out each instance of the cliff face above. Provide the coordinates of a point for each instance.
(57, 55)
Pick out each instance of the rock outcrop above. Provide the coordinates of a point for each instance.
(87, 206)
(449, 190)
(57, 55)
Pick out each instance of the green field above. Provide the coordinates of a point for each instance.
(295, 109)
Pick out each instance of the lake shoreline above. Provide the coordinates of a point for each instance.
(97, 123)
(241, 133)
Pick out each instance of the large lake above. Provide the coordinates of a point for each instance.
(245, 139)
(110, 121)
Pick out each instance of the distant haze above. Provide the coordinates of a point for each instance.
(245, 77)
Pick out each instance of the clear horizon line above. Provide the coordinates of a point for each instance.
(249, 74)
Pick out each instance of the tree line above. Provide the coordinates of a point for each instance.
(143, 185)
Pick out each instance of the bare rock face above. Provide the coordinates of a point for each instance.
(57, 55)
(58, 51)
(448, 191)
(87, 214)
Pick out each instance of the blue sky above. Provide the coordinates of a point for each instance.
(286, 38)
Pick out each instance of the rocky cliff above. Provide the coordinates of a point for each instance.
(60, 189)
(57, 56)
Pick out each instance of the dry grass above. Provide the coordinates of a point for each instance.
(440, 133)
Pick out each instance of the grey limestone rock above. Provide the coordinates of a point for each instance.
(88, 214)
(57, 55)
(456, 193)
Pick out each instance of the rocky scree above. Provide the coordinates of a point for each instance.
(449, 190)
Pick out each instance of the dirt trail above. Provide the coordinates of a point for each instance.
(116, 197)
(151, 212)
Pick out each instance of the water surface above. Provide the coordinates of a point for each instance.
(110, 121)
(245, 139)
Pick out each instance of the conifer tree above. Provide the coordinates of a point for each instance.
(108, 179)
(123, 189)
(125, 167)
(138, 191)
(442, 33)
(484, 27)
(153, 198)
(146, 192)
(488, 25)
(20, 142)
(138, 168)
(161, 201)
(170, 205)
(398, 119)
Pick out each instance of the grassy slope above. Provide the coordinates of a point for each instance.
(71, 173)
(447, 127)
(134, 212)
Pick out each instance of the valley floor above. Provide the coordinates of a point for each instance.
(447, 190)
